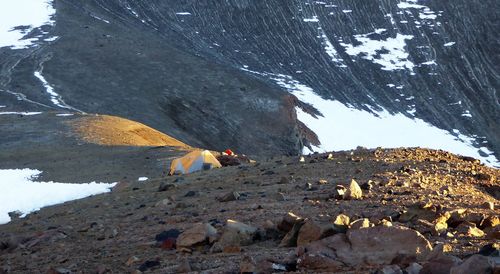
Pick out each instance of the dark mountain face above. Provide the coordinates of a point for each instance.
(206, 71)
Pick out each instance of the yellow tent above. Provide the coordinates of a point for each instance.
(194, 161)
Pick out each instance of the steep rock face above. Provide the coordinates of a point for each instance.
(205, 72)
(129, 70)
(426, 59)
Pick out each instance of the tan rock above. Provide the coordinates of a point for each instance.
(312, 231)
(354, 191)
(197, 235)
(476, 264)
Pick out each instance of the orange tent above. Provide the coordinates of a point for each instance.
(194, 161)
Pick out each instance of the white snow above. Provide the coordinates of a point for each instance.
(20, 113)
(99, 18)
(313, 19)
(183, 13)
(29, 13)
(449, 44)
(343, 128)
(389, 53)
(142, 179)
(428, 63)
(55, 98)
(64, 114)
(21, 193)
(407, 5)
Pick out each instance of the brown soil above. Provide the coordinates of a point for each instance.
(115, 131)
(115, 232)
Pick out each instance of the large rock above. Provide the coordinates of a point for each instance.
(354, 191)
(476, 264)
(312, 231)
(383, 244)
(380, 245)
(236, 234)
(197, 235)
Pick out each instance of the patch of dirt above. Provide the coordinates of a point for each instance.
(115, 131)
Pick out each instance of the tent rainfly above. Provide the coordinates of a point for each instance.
(194, 161)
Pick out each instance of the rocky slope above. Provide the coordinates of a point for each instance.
(410, 209)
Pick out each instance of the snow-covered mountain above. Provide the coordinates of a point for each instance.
(220, 74)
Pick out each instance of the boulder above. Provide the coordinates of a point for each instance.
(354, 191)
(383, 244)
(199, 234)
(312, 231)
(235, 235)
(476, 264)
(380, 245)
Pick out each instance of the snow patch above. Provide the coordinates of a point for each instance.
(313, 19)
(183, 13)
(142, 179)
(20, 113)
(389, 53)
(19, 17)
(21, 193)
